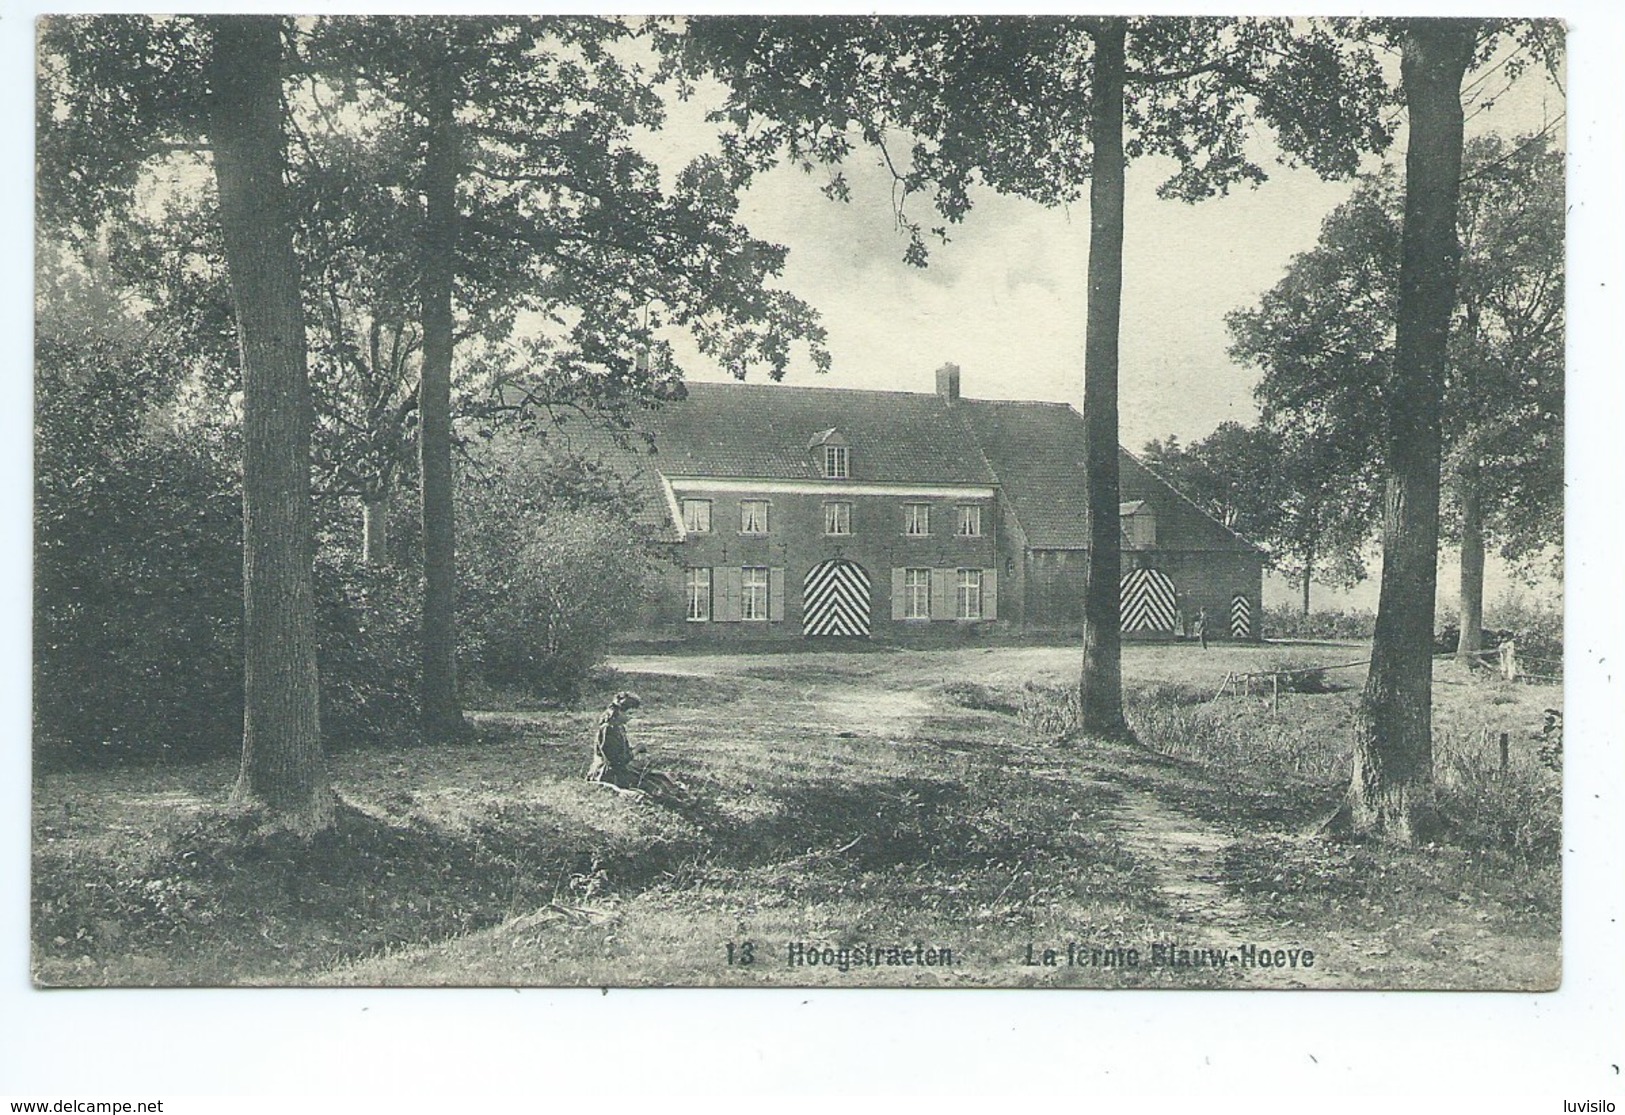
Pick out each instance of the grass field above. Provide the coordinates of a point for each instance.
(905, 817)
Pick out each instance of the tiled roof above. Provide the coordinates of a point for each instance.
(1033, 452)
(763, 431)
(1037, 452)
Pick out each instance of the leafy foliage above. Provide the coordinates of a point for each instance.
(957, 103)
(367, 620)
(1323, 338)
(137, 569)
(1517, 810)
(555, 565)
(1233, 474)
(562, 223)
(138, 553)
(1285, 622)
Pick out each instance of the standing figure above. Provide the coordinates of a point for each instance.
(1201, 626)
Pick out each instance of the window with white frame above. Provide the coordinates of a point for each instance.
(969, 601)
(970, 521)
(697, 590)
(837, 518)
(753, 516)
(836, 461)
(697, 516)
(753, 593)
(916, 519)
(916, 594)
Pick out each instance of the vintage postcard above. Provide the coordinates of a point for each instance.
(933, 502)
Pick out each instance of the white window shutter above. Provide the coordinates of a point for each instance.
(944, 594)
(775, 594)
(990, 594)
(733, 587)
(899, 588)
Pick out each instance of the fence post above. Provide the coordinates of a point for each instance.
(1509, 660)
(1503, 752)
(1275, 692)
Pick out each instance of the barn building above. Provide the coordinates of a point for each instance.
(820, 512)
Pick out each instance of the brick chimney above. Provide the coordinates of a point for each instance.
(948, 383)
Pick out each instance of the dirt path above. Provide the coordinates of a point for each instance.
(1186, 856)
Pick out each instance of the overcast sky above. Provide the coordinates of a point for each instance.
(474, 1041)
(1006, 298)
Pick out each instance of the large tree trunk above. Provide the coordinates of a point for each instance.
(1471, 615)
(1391, 792)
(375, 530)
(442, 714)
(1101, 686)
(282, 767)
(1308, 569)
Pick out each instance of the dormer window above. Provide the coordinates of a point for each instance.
(834, 459)
(1139, 525)
(836, 462)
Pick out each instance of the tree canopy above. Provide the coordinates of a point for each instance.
(564, 253)
(1034, 107)
(1323, 338)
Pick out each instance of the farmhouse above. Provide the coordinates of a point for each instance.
(821, 512)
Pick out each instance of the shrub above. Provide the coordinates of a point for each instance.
(544, 617)
(367, 626)
(1537, 627)
(1448, 637)
(137, 568)
(1227, 734)
(972, 695)
(1163, 693)
(1516, 810)
(1550, 749)
(138, 571)
(1298, 678)
(1233, 735)
(1286, 622)
(1049, 712)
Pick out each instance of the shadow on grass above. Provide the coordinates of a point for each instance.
(217, 901)
(226, 902)
(980, 848)
(1232, 798)
(1367, 885)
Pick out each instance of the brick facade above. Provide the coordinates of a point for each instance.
(796, 542)
(835, 473)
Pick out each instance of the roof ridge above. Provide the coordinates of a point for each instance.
(776, 386)
(735, 385)
(999, 492)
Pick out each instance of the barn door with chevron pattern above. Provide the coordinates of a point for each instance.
(1241, 617)
(1148, 601)
(835, 599)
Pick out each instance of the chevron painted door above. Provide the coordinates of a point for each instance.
(1241, 617)
(835, 599)
(1148, 601)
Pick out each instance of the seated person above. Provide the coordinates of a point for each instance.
(612, 754)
